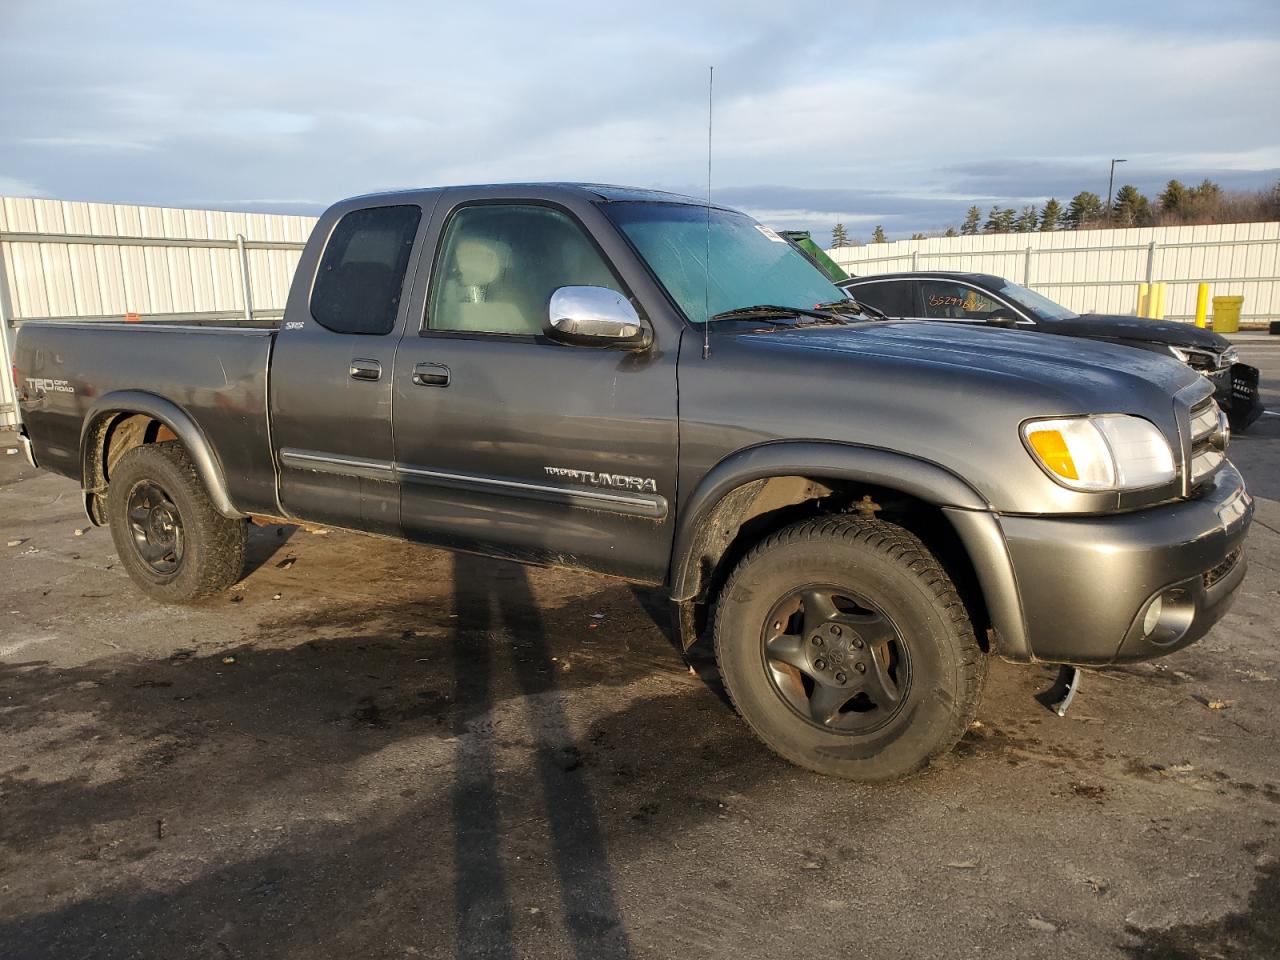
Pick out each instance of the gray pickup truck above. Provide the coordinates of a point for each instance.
(860, 513)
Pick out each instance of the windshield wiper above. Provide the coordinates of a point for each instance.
(763, 311)
(850, 307)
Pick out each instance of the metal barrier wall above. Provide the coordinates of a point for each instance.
(67, 260)
(63, 259)
(1099, 270)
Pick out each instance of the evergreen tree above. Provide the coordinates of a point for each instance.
(1085, 208)
(1203, 201)
(839, 238)
(1000, 220)
(1174, 197)
(1026, 221)
(971, 221)
(951, 231)
(1207, 191)
(1051, 215)
(1131, 208)
(877, 235)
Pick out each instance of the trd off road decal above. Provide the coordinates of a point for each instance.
(41, 385)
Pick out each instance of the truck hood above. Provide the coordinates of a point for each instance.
(1074, 367)
(953, 395)
(1124, 327)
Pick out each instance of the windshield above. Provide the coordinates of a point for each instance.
(1041, 306)
(750, 264)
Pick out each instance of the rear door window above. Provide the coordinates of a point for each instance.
(890, 297)
(949, 300)
(361, 275)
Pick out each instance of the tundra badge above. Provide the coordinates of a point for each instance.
(616, 481)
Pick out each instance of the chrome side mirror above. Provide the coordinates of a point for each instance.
(594, 317)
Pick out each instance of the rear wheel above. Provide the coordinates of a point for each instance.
(171, 540)
(845, 647)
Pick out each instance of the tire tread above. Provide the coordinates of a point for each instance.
(907, 550)
(222, 540)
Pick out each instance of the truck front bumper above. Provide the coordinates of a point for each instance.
(1130, 586)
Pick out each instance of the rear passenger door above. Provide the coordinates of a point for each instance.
(331, 373)
(894, 298)
(510, 444)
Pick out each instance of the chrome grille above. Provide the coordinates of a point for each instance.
(1208, 441)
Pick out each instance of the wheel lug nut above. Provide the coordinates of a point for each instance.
(820, 664)
(835, 629)
(860, 667)
(841, 678)
(858, 643)
(817, 641)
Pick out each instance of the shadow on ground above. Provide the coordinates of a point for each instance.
(298, 727)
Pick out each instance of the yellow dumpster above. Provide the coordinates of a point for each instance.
(1226, 314)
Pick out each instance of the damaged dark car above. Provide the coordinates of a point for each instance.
(988, 299)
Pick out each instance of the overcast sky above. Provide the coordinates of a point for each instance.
(895, 113)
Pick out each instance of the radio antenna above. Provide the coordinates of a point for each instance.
(706, 287)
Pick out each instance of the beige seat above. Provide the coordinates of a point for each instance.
(471, 297)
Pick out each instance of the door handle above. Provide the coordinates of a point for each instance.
(366, 370)
(431, 375)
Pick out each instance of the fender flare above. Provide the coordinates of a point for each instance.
(970, 514)
(129, 402)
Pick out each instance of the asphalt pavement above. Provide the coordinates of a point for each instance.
(372, 750)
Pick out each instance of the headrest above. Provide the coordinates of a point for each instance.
(480, 262)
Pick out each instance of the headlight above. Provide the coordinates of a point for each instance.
(1179, 353)
(1110, 452)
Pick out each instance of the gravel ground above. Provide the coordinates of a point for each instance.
(370, 749)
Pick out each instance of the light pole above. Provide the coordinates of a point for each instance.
(1111, 182)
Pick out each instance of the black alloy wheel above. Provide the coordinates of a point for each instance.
(836, 660)
(156, 527)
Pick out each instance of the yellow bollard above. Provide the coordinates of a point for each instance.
(1157, 301)
(1202, 304)
(1226, 314)
(1144, 293)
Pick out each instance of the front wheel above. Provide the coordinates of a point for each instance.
(845, 647)
(171, 540)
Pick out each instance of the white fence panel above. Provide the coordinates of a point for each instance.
(71, 260)
(1100, 270)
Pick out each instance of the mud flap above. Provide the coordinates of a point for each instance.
(1059, 696)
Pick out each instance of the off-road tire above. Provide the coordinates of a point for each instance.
(894, 570)
(213, 545)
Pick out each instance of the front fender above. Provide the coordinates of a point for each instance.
(807, 458)
(201, 452)
(969, 514)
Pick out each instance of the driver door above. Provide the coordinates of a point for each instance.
(510, 444)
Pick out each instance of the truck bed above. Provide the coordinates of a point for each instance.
(217, 375)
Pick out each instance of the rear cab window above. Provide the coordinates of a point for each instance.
(361, 274)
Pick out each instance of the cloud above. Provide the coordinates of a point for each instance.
(13, 187)
(893, 116)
